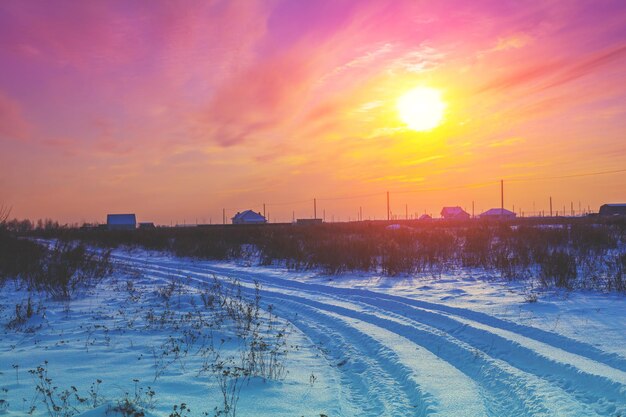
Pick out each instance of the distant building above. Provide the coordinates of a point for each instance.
(308, 221)
(248, 217)
(498, 213)
(146, 225)
(425, 217)
(121, 222)
(613, 210)
(454, 213)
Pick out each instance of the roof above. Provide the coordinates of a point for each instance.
(498, 212)
(248, 215)
(613, 209)
(453, 211)
(121, 219)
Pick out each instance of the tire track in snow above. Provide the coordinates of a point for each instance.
(494, 402)
(497, 393)
(549, 338)
(377, 382)
(461, 326)
(382, 377)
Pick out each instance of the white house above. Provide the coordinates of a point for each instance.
(248, 217)
(454, 213)
(498, 213)
(121, 221)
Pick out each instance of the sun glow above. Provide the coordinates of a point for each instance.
(421, 108)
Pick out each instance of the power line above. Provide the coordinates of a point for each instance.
(456, 187)
(587, 174)
(287, 203)
(353, 196)
(427, 189)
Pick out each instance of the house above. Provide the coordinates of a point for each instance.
(248, 217)
(424, 217)
(498, 213)
(454, 213)
(613, 210)
(121, 222)
(146, 225)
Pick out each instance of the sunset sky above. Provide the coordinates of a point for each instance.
(175, 110)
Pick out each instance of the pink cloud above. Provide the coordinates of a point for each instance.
(263, 87)
(12, 122)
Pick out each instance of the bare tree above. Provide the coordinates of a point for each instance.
(4, 214)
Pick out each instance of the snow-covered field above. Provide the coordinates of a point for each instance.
(358, 345)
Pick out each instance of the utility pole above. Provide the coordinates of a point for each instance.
(502, 197)
(324, 215)
(572, 208)
(473, 216)
(388, 214)
(293, 216)
(550, 206)
(406, 211)
(315, 208)
(360, 213)
(264, 210)
(223, 216)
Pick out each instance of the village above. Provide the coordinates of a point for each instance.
(250, 217)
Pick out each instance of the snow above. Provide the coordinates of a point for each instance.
(110, 410)
(367, 345)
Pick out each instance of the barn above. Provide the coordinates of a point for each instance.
(248, 217)
(454, 213)
(613, 210)
(121, 222)
(498, 213)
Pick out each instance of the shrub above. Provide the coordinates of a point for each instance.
(558, 268)
(513, 249)
(67, 267)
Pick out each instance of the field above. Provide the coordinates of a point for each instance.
(472, 319)
(581, 253)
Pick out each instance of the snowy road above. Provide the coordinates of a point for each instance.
(400, 356)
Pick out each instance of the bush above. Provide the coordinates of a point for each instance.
(558, 268)
(18, 257)
(67, 267)
(564, 252)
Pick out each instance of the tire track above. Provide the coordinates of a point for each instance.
(511, 363)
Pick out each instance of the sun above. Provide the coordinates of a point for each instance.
(421, 108)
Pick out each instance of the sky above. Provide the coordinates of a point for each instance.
(176, 110)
